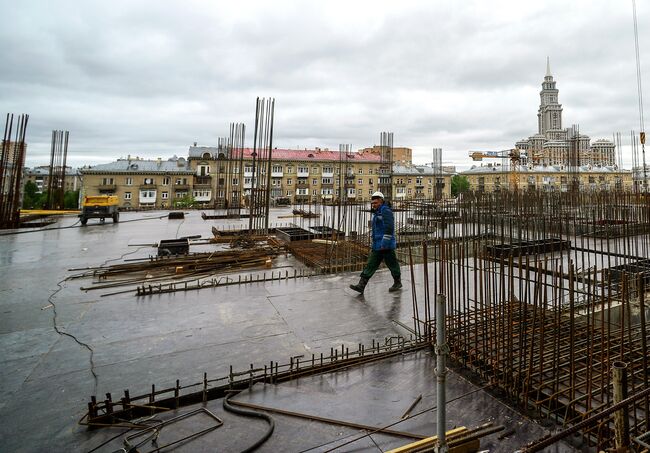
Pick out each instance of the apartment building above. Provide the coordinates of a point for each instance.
(140, 183)
(495, 177)
(212, 178)
(318, 175)
(41, 177)
(420, 181)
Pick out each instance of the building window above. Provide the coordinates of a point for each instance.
(288, 193)
(127, 195)
(235, 181)
(314, 170)
(107, 181)
(360, 181)
(289, 182)
(166, 180)
(370, 181)
(164, 195)
(314, 181)
(203, 170)
(148, 181)
(327, 181)
(128, 181)
(360, 171)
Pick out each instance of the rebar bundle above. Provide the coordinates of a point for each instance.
(386, 165)
(12, 161)
(260, 191)
(56, 181)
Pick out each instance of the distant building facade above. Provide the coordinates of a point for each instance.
(555, 145)
(420, 182)
(495, 177)
(140, 183)
(211, 178)
(41, 177)
(401, 155)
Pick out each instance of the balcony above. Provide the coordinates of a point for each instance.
(303, 174)
(181, 187)
(203, 181)
(277, 174)
(147, 186)
(107, 187)
(328, 174)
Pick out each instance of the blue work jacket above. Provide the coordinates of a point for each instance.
(383, 229)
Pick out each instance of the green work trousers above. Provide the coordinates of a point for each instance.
(375, 259)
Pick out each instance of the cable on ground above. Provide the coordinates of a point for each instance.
(247, 413)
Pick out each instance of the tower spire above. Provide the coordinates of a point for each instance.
(548, 67)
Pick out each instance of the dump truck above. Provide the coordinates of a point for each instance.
(99, 207)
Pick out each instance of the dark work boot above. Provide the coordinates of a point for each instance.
(359, 287)
(397, 285)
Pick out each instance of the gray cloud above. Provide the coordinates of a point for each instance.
(149, 78)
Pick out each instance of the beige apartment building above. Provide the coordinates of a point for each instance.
(300, 175)
(495, 177)
(209, 177)
(420, 182)
(140, 183)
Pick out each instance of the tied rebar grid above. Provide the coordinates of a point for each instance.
(544, 292)
(56, 181)
(12, 161)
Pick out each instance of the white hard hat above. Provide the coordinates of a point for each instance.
(377, 195)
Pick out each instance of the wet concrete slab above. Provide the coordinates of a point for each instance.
(137, 342)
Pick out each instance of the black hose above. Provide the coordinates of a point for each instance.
(247, 413)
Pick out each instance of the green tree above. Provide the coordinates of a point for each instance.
(31, 198)
(186, 202)
(71, 199)
(459, 184)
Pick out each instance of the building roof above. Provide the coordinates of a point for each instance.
(290, 154)
(417, 170)
(559, 169)
(45, 171)
(139, 166)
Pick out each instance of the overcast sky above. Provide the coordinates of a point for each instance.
(149, 78)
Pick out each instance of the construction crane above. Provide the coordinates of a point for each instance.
(515, 155)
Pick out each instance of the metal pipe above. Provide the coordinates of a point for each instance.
(442, 350)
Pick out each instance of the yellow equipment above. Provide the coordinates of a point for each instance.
(99, 207)
(515, 155)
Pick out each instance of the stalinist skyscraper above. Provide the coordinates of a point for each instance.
(553, 144)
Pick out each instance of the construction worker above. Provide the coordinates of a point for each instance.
(383, 245)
